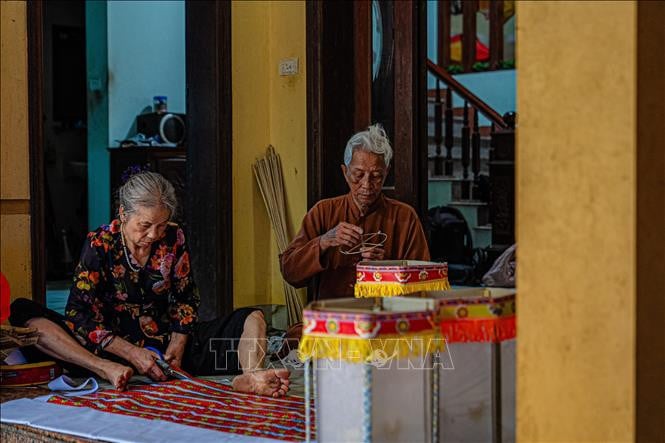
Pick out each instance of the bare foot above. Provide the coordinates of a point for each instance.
(116, 374)
(271, 382)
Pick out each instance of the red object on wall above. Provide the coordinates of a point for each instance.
(482, 51)
(4, 298)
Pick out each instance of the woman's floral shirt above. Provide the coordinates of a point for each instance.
(109, 299)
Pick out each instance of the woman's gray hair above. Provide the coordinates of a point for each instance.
(149, 190)
(374, 139)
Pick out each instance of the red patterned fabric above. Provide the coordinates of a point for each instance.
(486, 330)
(204, 404)
(407, 273)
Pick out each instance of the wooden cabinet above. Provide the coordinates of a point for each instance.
(170, 162)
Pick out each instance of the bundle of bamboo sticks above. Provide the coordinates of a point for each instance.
(269, 177)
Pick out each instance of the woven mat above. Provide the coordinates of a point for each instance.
(204, 404)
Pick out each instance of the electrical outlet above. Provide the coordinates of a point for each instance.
(288, 66)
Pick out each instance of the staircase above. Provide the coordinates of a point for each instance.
(471, 167)
(449, 189)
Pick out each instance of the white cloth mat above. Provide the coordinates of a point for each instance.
(89, 423)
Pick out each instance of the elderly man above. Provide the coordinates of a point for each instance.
(341, 224)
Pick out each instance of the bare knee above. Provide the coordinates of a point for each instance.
(255, 321)
(40, 323)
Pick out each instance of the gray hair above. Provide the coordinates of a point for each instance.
(149, 190)
(374, 140)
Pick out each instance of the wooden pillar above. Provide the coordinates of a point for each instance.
(362, 30)
(15, 220)
(650, 268)
(589, 223)
(496, 33)
(469, 9)
(443, 33)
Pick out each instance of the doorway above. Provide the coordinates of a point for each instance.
(65, 144)
(376, 73)
(207, 87)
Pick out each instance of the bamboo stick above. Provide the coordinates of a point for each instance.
(270, 179)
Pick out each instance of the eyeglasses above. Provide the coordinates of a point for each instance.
(368, 242)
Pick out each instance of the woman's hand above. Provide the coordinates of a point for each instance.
(142, 359)
(145, 362)
(176, 349)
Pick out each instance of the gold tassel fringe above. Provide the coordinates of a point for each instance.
(391, 289)
(359, 350)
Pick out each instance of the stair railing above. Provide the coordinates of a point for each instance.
(469, 9)
(442, 75)
(501, 154)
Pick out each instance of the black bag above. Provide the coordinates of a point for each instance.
(451, 241)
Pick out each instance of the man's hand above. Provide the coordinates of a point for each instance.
(176, 349)
(343, 234)
(376, 253)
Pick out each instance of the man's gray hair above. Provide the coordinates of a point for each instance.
(374, 139)
(149, 190)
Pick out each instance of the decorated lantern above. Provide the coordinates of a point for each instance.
(477, 377)
(370, 364)
(399, 277)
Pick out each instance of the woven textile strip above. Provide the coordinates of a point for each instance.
(204, 404)
(401, 278)
(479, 320)
(364, 337)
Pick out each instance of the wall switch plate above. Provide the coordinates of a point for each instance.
(288, 66)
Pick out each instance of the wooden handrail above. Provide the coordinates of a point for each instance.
(467, 95)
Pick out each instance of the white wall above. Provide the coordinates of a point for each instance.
(146, 57)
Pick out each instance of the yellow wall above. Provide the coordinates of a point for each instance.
(267, 109)
(576, 154)
(14, 166)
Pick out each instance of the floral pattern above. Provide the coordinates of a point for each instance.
(108, 298)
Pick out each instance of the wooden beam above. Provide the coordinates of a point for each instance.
(35, 18)
(496, 33)
(469, 8)
(403, 138)
(443, 33)
(313, 31)
(209, 152)
(650, 229)
(362, 28)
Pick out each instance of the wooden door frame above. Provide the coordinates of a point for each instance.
(334, 108)
(208, 150)
(35, 23)
(330, 95)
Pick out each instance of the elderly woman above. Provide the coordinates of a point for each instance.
(342, 224)
(133, 290)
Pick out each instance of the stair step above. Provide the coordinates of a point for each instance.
(476, 203)
(475, 213)
(439, 192)
(482, 236)
(457, 151)
(444, 178)
(485, 131)
(431, 93)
